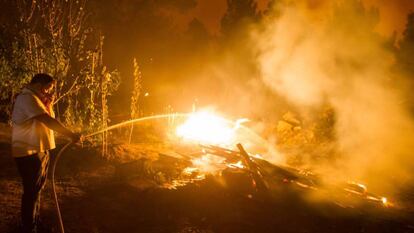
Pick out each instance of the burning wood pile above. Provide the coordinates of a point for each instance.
(207, 140)
(252, 176)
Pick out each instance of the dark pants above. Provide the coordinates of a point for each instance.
(33, 170)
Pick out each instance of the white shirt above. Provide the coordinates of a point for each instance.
(30, 136)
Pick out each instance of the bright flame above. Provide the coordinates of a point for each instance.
(190, 170)
(205, 127)
(209, 163)
(239, 122)
(385, 202)
(237, 165)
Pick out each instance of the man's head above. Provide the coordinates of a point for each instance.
(43, 83)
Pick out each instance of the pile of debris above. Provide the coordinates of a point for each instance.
(245, 174)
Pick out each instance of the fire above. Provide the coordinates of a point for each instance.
(206, 127)
(237, 165)
(209, 163)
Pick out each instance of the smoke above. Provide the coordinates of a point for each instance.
(315, 54)
(337, 59)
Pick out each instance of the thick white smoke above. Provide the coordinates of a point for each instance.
(338, 60)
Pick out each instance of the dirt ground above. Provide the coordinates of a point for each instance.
(127, 195)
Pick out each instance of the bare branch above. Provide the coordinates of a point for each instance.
(69, 91)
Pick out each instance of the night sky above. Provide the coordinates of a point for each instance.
(392, 13)
(160, 34)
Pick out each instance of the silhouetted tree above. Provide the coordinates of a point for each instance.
(239, 14)
(405, 62)
(405, 54)
(197, 36)
(197, 30)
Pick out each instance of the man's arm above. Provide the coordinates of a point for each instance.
(55, 125)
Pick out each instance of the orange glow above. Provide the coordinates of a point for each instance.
(209, 164)
(206, 127)
(237, 165)
(386, 203)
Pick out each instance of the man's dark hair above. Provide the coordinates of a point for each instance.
(42, 79)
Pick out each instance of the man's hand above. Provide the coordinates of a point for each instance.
(75, 137)
(49, 100)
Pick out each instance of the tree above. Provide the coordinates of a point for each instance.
(405, 60)
(239, 13)
(136, 92)
(56, 37)
(405, 54)
(198, 32)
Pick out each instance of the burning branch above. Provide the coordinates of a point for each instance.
(254, 170)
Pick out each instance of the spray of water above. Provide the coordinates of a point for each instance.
(245, 134)
(136, 120)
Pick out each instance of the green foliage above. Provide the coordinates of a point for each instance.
(56, 37)
(13, 76)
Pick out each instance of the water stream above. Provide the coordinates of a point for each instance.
(172, 117)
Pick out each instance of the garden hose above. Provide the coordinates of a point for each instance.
(62, 229)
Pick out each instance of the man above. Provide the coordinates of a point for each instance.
(32, 138)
